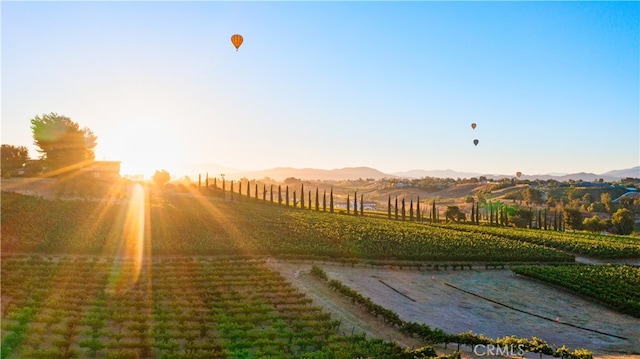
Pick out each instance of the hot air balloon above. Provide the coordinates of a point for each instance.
(475, 142)
(473, 125)
(518, 174)
(236, 40)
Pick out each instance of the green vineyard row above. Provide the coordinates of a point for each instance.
(58, 307)
(614, 285)
(580, 243)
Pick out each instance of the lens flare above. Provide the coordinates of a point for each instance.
(126, 271)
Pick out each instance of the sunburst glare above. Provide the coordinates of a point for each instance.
(133, 243)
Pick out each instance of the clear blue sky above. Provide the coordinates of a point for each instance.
(554, 87)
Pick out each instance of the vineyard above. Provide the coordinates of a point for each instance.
(583, 243)
(63, 307)
(188, 226)
(616, 286)
(184, 276)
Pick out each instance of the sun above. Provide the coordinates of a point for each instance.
(144, 147)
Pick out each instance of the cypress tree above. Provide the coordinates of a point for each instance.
(396, 208)
(294, 199)
(279, 194)
(389, 208)
(271, 193)
(433, 211)
(309, 201)
(287, 197)
(418, 210)
(331, 201)
(264, 192)
(348, 204)
(231, 190)
(248, 191)
(302, 197)
(539, 219)
(490, 214)
(206, 181)
(473, 213)
(403, 210)
(411, 211)
(477, 213)
(317, 201)
(361, 206)
(215, 182)
(240, 190)
(255, 193)
(223, 188)
(199, 181)
(324, 200)
(355, 204)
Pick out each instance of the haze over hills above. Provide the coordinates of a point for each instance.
(354, 173)
(609, 176)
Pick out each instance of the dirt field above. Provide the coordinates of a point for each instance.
(433, 302)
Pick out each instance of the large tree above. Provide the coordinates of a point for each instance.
(453, 213)
(593, 224)
(161, 177)
(532, 196)
(623, 221)
(61, 142)
(13, 158)
(572, 218)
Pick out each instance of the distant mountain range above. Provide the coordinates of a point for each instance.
(610, 176)
(354, 173)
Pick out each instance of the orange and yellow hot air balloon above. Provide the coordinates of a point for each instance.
(475, 142)
(236, 40)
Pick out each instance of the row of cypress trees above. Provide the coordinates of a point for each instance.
(358, 208)
(497, 213)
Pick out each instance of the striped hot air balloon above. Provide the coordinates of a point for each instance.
(236, 40)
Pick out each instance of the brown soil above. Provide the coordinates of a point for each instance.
(441, 306)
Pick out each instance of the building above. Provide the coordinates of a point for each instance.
(103, 170)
